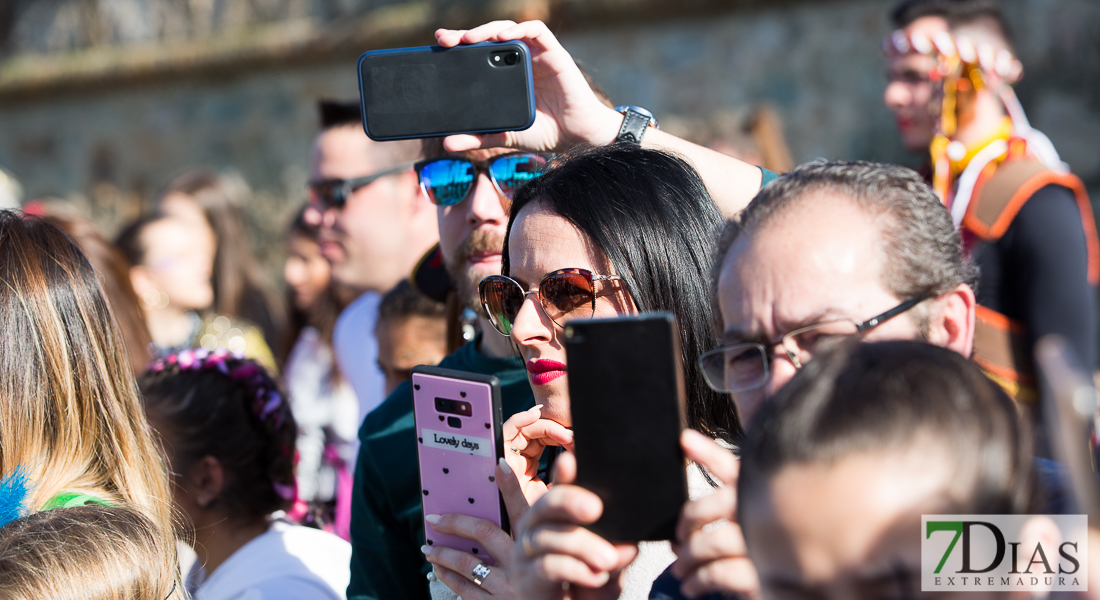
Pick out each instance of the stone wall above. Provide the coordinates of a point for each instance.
(110, 143)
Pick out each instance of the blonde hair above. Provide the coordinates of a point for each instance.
(71, 419)
(89, 553)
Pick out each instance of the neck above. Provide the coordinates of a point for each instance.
(220, 536)
(492, 343)
(984, 122)
(168, 326)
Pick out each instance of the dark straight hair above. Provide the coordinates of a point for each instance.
(651, 216)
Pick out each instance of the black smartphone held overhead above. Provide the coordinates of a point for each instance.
(433, 91)
(626, 390)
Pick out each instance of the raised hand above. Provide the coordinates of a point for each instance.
(555, 556)
(526, 435)
(456, 568)
(568, 111)
(712, 559)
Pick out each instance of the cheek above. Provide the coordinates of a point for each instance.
(452, 228)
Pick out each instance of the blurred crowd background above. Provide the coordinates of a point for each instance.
(103, 102)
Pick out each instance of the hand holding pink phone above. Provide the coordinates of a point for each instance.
(458, 428)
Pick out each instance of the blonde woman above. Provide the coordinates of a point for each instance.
(71, 424)
(90, 552)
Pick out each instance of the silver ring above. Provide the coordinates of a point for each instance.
(480, 573)
(516, 451)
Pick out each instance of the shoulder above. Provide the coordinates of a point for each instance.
(289, 561)
(362, 309)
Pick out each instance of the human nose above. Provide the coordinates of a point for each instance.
(486, 204)
(896, 95)
(532, 325)
(329, 214)
(784, 366)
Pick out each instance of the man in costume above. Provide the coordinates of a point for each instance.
(1024, 219)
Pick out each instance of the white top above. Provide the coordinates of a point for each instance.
(357, 351)
(326, 411)
(288, 562)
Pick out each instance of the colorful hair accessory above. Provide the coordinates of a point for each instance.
(266, 400)
(13, 492)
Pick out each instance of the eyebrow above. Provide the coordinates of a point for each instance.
(734, 335)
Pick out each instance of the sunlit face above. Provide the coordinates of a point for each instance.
(849, 530)
(406, 343)
(541, 242)
(909, 92)
(820, 261)
(179, 261)
(366, 238)
(471, 233)
(306, 271)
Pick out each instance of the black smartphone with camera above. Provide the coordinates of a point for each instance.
(432, 91)
(626, 390)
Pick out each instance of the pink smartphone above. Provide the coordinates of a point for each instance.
(458, 433)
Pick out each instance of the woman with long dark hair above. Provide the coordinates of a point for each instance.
(611, 231)
(214, 201)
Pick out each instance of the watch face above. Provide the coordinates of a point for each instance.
(641, 111)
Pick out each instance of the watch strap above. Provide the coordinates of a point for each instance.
(633, 127)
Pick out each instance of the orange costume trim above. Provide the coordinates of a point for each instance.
(1001, 345)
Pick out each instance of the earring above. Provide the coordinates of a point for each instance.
(155, 298)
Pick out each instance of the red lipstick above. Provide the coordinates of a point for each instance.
(543, 370)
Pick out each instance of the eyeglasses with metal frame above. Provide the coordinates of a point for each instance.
(746, 365)
(561, 293)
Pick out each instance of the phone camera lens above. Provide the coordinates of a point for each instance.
(511, 58)
(454, 422)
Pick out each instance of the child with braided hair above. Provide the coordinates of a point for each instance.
(229, 437)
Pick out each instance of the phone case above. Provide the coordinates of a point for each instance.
(458, 451)
(626, 391)
(431, 91)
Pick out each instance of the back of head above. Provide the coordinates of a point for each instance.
(87, 553)
(113, 269)
(874, 398)
(922, 249)
(651, 216)
(404, 301)
(229, 408)
(71, 419)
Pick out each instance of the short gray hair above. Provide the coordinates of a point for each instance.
(923, 249)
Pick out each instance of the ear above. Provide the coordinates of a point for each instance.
(204, 481)
(139, 278)
(952, 323)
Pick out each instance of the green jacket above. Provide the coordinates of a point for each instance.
(387, 527)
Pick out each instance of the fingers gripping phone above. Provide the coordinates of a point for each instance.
(432, 91)
(458, 434)
(626, 391)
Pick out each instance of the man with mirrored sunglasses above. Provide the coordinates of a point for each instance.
(472, 193)
(374, 226)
